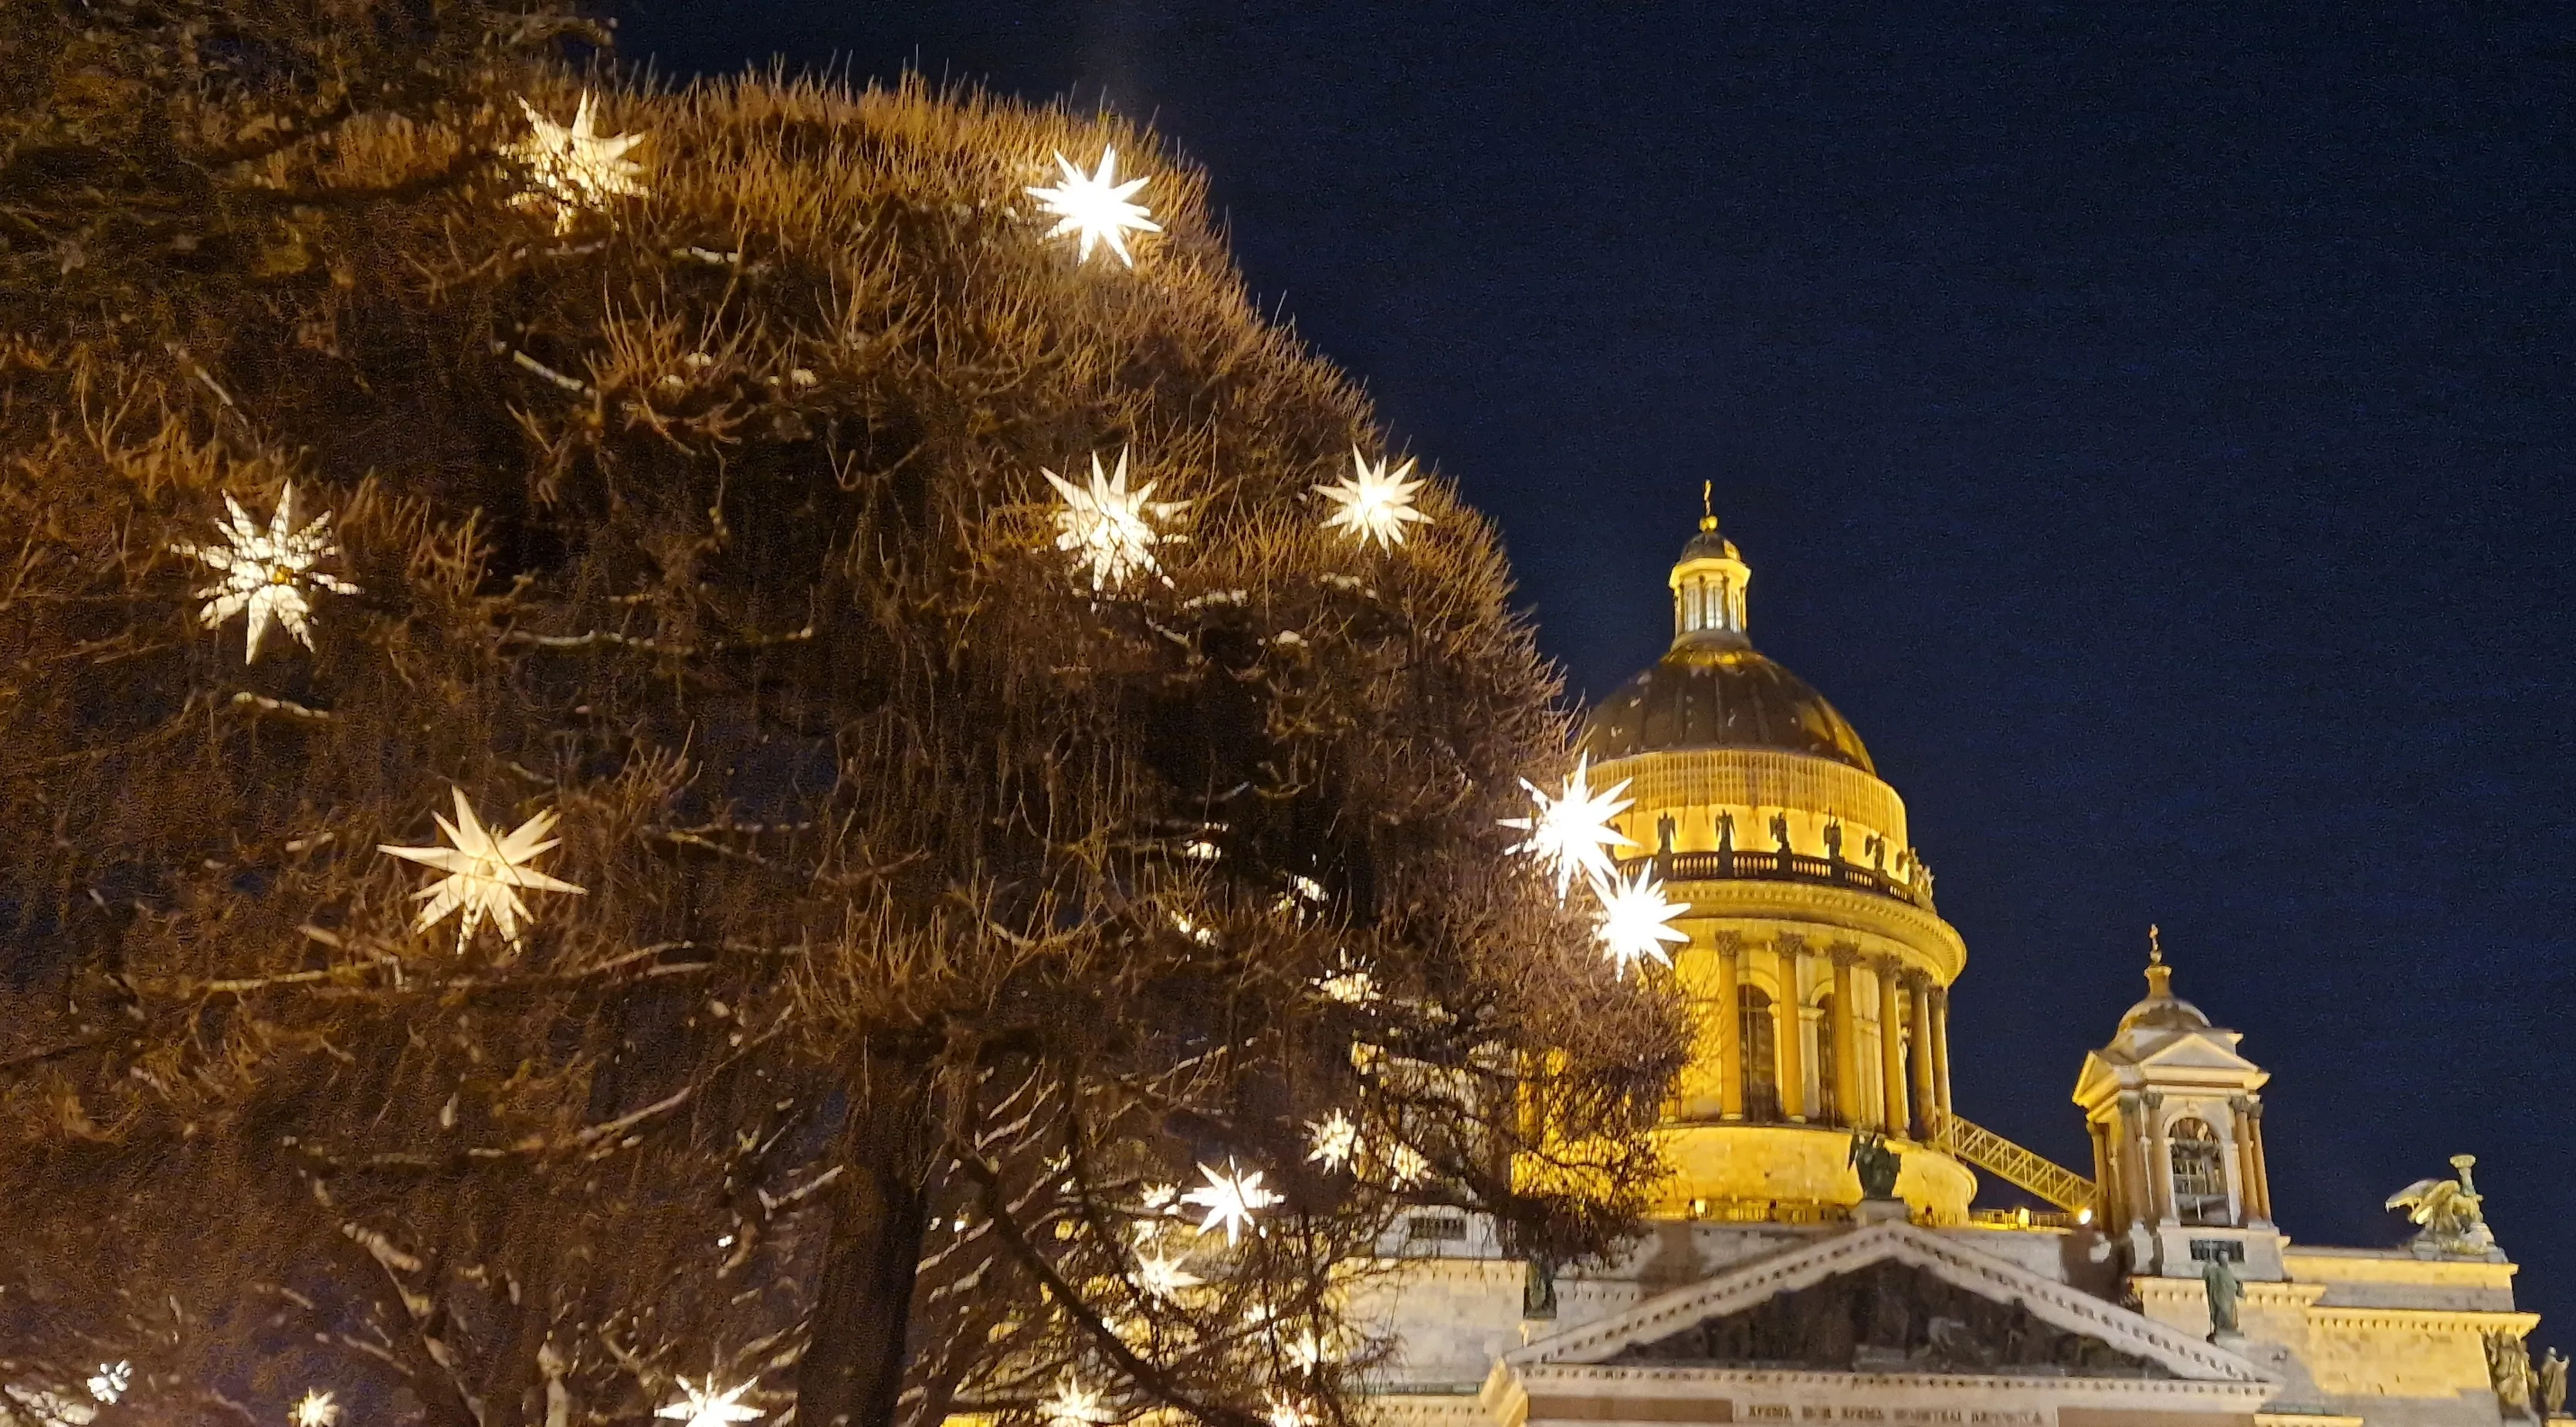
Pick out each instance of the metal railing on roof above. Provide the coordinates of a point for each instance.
(1731, 865)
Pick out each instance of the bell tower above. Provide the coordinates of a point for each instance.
(2177, 1123)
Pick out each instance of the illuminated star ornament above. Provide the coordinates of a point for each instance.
(1109, 528)
(1373, 503)
(1162, 1276)
(574, 168)
(1332, 1141)
(1075, 1406)
(1636, 920)
(1098, 206)
(1230, 1198)
(316, 1409)
(267, 574)
(706, 1407)
(1571, 832)
(485, 874)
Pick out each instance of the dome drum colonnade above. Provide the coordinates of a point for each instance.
(1818, 973)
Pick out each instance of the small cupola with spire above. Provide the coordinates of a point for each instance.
(1708, 585)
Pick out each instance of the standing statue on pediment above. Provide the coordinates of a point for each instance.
(2509, 1371)
(1875, 1163)
(2447, 1214)
(2552, 1374)
(2226, 1292)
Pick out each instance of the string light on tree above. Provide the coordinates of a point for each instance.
(110, 1381)
(1348, 983)
(1230, 1197)
(1636, 920)
(316, 1409)
(1288, 1412)
(703, 1406)
(485, 874)
(269, 574)
(1372, 503)
(1407, 1166)
(1110, 528)
(1571, 832)
(1096, 206)
(575, 168)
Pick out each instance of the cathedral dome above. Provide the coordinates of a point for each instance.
(1705, 694)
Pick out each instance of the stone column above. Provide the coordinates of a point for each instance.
(1926, 1125)
(1846, 1042)
(2159, 1160)
(1941, 1049)
(2258, 1180)
(2106, 1177)
(1788, 1029)
(2137, 1198)
(1891, 1050)
(1730, 1026)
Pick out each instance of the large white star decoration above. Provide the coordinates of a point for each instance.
(485, 874)
(574, 168)
(1075, 1406)
(1332, 1141)
(267, 574)
(703, 1406)
(1374, 504)
(1636, 920)
(1571, 832)
(1096, 206)
(316, 1409)
(1230, 1197)
(1162, 1275)
(1108, 527)
(1407, 1166)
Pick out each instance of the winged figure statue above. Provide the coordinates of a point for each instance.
(2446, 1212)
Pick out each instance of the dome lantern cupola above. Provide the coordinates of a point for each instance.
(1708, 584)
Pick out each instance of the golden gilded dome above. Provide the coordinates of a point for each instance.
(1702, 696)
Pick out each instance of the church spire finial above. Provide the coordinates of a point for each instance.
(1709, 582)
(2159, 975)
(1707, 515)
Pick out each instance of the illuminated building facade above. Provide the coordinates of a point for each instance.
(1769, 1288)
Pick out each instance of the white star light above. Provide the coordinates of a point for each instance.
(1287, 1412)
(1075, 1406)
(267, 574)
(1572, 832)
(1108, 527)
(573, 168)
(110, 1381)
(485, 873)
(1097, 207)
(1636, 920)
(705, 1407)
(1332, 1141)
(1163, 1277)
(1230, 1198)
(1348, 983)
(316, 1409)
(1374, 505)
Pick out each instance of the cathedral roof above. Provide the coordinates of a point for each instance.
(1712, 689)
(1702, 696)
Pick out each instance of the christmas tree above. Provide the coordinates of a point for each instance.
(728, 753)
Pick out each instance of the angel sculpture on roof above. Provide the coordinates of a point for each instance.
(2446, 1212)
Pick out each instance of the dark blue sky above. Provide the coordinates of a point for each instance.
(2150, 430)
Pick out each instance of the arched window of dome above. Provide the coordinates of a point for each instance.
(2199, 1173)
(1761, 1055)
(1829, 1090)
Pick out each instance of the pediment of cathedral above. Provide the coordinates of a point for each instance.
(2183, 1058)
(1889, 1298)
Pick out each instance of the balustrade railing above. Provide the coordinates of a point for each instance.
(1730, 864)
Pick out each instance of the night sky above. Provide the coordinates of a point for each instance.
(2149, 431)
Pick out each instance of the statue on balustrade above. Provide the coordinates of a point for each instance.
(1780, 831)
(2446, 1214)
(1834, 840)
(2226, 1292)
(1875, 1163)
(1725, 834)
